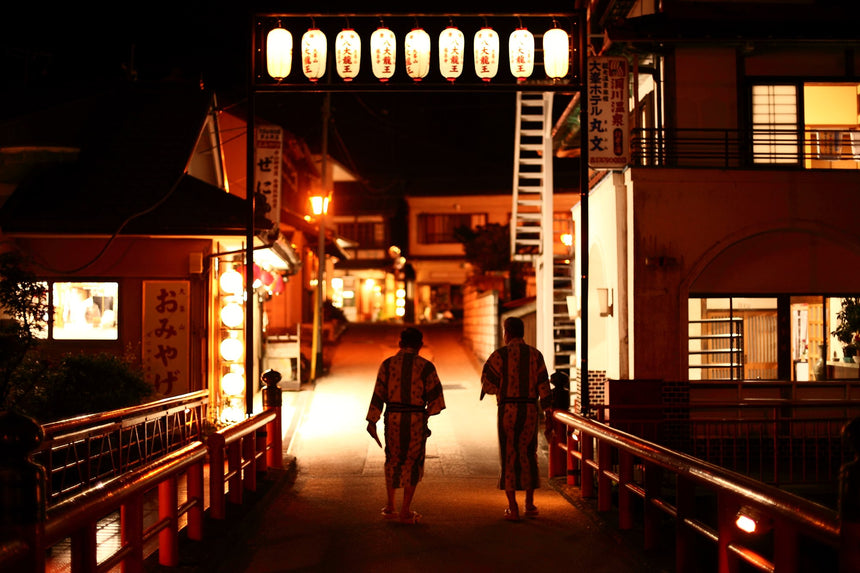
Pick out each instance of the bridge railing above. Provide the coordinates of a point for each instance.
(599, 458)
(236, 455)
(82, 451)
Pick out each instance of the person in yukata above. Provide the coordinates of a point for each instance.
(409, 389)
(517, 375)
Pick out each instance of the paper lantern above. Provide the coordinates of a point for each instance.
(231, 281)
(383, 52)
(231, 349)
(556, 53)
(521, 46)
(347, 48)
(233, 384)
(417, 48)
(486, 53)
(279, 53)
(232, 315)
(314, 54)
(451, 46)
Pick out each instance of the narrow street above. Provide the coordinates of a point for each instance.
(328, 518)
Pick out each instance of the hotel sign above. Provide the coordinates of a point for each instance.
(608, 130)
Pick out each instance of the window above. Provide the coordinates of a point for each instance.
(368, 234)
(827, 124)
(434, 229)
(84, 310)
(774, 122)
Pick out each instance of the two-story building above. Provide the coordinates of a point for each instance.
(729, 241)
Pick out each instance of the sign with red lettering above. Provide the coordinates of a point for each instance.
(607, 132)
(165, 336)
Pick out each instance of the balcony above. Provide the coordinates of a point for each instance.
(746, 149)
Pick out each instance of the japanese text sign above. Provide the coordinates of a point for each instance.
(607, 133)
(165, 336)
(268, 148)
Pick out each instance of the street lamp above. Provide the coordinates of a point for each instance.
(319, 206)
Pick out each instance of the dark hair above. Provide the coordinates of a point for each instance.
(411, 338)
(514, 327)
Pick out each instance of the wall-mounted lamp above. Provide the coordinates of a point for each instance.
(572, 307)
(752, 520)
(605, 301)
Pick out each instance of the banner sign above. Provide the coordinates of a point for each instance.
(268, 151)
(608, 132)
(165, 336)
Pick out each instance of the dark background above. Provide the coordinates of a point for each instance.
(423, 142)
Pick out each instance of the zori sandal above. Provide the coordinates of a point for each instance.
(511, 516)
(413, 518)
(532, 511)
(389, 513)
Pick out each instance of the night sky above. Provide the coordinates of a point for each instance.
(398, 142)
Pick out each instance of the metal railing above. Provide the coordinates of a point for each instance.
(599, 458)
(259, 447)
(780, 442)
(80, 452)
(733, 148)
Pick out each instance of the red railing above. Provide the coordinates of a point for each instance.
(80, 452)
(597, 458)
(249, 447)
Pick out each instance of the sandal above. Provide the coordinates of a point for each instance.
(389, 513)
(511, 516)
(532, 511)
(412, 518)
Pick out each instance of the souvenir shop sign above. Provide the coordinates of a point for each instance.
(165, 336)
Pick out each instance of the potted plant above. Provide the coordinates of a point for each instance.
(848, 327)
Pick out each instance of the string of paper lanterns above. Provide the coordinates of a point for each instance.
(417, 52)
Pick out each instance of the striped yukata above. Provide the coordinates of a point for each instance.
(409, 388)
(517, 375)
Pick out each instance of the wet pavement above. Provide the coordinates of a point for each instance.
(322, 513)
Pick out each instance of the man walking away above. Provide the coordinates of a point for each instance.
(409, 388)
(517, 375)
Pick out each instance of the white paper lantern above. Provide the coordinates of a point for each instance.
(232, 315)
(347, 47)
(486, 53)
(521, 46)
(279, 53)
(417, 48)
(233, 384)
(232, 349)
(556, 53)
(231, 281)
(451, 47)
(383, 53)
(314, 54)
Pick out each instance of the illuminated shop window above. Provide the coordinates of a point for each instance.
(85, 310)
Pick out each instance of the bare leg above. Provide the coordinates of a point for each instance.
(513, 508)
(406, 508)
(530, 498)
(389, 507)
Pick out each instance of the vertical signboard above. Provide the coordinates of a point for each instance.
(608, 129)
(268, 148)
(165, 336)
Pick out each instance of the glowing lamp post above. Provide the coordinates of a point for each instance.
(319, 206)
(556, 53)
(486, 53)
(417, 48)
(279, 53)
(522, 53)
